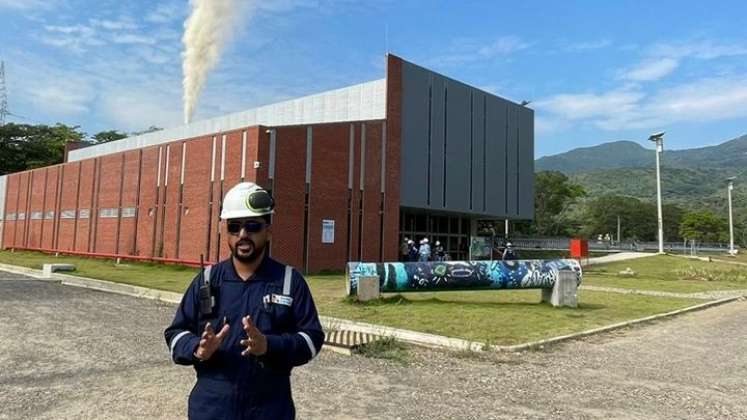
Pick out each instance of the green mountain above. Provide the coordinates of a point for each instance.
(627, 154)
(694, 179)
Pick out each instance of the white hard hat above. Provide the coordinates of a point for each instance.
(509, 244)
(438, 243)
(246, 199)
(425, 240)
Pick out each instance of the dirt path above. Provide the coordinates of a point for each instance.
(71, 353)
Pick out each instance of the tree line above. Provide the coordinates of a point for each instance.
(25, 146)
(563, 208)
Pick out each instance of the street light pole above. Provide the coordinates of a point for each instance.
(731, 220)
(658, 138)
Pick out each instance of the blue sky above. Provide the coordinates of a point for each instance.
(595, 71)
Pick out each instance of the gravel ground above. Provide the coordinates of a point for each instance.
(69, 353)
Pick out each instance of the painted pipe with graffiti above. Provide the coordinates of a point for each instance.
(461, 275)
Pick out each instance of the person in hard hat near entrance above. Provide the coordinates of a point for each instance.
(245, 322)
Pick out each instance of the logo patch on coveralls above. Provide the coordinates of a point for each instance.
(281, 299)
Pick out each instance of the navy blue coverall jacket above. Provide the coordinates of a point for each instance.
(232, 386)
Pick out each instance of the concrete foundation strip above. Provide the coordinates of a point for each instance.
(337, 324)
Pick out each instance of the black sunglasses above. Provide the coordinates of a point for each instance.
(234, 226)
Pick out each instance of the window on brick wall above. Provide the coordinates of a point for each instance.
(109, 213)
(128, 212)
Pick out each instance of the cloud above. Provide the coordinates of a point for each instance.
(588, 45)
(75, 38)
(466, 50)
(651, 70)
(61, 96)
(589, 105)
(704, 49)
(114, 25)
(702, 100)
(132, 110)
(167, 12)
(124, 38)
(24, 5)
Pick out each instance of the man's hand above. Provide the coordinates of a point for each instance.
(256, 342)
(210, 342)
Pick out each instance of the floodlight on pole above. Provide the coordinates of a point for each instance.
(658, 138)
(731, 220)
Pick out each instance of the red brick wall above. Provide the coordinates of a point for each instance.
(127, 228)
(11, 197)
(170, 192)
(393, 160)
(288, 191)
(328, 196)
(130, 179)
(38, 181)
(148, 196)
(372, 193)
(50, 199)
(68, 201)
(109, 178)
(193, 236)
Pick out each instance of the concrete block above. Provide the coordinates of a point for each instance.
(48, 269)
(564, 292)
(368, 288)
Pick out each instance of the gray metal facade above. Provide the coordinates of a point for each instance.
(464, 150)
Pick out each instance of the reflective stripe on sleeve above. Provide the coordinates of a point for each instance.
(309, 342)
(173, 342)
(287, 280)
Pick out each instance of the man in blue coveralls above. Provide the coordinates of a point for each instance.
(245, 322)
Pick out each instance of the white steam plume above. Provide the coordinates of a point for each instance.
(208, 28)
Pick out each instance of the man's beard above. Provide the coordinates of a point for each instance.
(255, 253)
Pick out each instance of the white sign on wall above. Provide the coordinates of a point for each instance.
(328, 231)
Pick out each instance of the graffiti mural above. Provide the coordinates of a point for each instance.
(461, 275)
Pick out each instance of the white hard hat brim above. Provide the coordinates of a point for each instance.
(243, 214)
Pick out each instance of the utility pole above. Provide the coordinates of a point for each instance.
(731, 220)
(3, 95)
(658, 138)
(618, 229)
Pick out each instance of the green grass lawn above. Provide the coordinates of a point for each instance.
(669, 274)
(741, 257)
(496, 316)
(174, 278)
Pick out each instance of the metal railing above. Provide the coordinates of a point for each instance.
(561, 244)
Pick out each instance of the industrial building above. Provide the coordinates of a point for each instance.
(352, 170)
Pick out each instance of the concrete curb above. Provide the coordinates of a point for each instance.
(119, 288)
(555, 340)
(408, 336)
(95, 284)
(15, 269)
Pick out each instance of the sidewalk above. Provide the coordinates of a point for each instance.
(622, 256)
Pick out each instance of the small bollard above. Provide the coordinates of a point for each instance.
(368, 288)
(564, 292)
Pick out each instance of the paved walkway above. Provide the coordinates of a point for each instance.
(71, 353)
(619, 256)
(712, 295)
